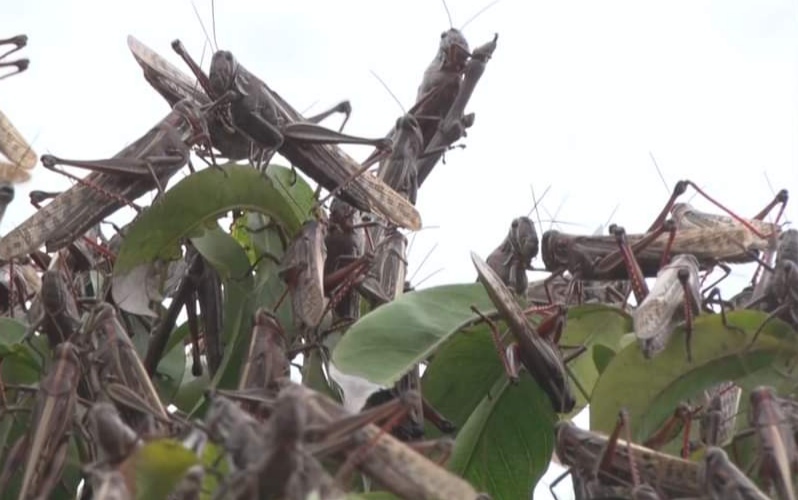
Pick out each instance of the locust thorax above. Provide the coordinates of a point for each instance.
(223, 72)
(555, 250)
(788, 246)
(524, 239)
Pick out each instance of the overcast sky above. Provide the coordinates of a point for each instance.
(576, 96)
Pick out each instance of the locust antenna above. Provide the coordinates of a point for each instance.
(607, 222)
(767, 180)
(537, 202)
(396, 99)
(202, 25)
(448, 14)
(659, 172)
(423, 261)
(213, 21)
(479, 13)
(554, 217)
(428, 277)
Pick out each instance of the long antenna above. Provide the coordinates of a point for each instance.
(213, 20)
(423, 261)
(662, 177)
(448, 14)
(396, 99)
(483, 9)
(202, 25)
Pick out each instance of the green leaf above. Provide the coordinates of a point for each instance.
(159, 466)
(18, 357)
(384, 344)
(467, 384)
(651, 389)
(186, 209)
(592, 326)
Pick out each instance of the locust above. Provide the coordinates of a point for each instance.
(513, 257)
(269, 121)
(119, 371)
(114, 440)
(43, 448)
(144, 165)
(303, 272)
(613, 461)
(345, 243)
(390, 462)
(539, 356)
(266, 360)
(778, 453)
(452, 126)
(780, 292)
(675, 297)
(60, 317)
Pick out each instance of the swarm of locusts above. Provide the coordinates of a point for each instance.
(96, 407)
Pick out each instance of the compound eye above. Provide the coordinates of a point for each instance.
(514, 224)
(443, 35)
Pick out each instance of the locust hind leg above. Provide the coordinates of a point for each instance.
(507, 356)
(344, 107)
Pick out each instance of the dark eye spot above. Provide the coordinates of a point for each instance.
(514, 224)
(443, 35)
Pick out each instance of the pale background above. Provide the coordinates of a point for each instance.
(576, 96)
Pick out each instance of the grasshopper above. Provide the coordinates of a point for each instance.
(393, 464)
(452, 126)
(345, 243)
(45, 444)
(303, 272)
(612, 461)
(724, 481)
(541, 358)
(267, 359)
(175, 85)
(676, 290)
(60, 317)
(144, 165)
(269, 121)
(116, 360)
(780, 291)
(777, 449)
(719, 417)
(513, 257)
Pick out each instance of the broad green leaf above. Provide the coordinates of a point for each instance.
(21, 364)
(200, 198)
(159, 465)
(651, 389)
(592, 326)
(385, 343)
(467, 383)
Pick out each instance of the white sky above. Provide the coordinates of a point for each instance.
(576, 96)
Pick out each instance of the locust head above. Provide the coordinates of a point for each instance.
(342, 214)
(453, 50)
(524, 240)
(223, 72)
